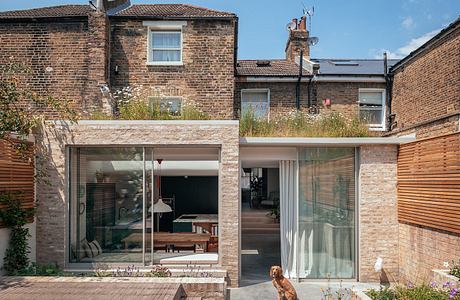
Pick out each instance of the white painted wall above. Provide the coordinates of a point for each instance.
(4, 240)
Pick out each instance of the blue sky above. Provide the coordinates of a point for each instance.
(346, 28)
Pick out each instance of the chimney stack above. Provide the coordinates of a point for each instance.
(297, 40)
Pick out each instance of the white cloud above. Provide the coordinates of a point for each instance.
(407, 48)
(408, 23)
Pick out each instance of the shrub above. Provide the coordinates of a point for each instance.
(301, 124)
(35, 269)
(421, 292)
(15, 217)
(455, 269)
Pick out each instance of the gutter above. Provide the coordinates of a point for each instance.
(319, 78)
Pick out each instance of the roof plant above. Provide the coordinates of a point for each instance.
(302, 124)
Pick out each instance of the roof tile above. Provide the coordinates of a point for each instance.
(171, 11)
(277, 67)
(48, 12)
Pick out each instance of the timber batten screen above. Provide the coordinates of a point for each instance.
(429, 183)
(17, 173)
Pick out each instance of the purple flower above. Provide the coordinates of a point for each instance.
(433, 284)
(410, 285)
(445, 285)
(453, 293)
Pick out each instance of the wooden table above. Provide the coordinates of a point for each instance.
(178, 239)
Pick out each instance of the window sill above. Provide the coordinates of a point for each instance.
(377, 129)
(165, 64)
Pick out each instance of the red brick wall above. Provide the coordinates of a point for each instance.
(427, 88)
(344, 96)
(206, 78)
(54, 52)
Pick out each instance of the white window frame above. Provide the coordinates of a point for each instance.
(255, 90)
(164, 26)
(375, 127)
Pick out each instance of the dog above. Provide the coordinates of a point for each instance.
(284, 287)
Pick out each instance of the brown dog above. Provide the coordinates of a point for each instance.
(285, 289)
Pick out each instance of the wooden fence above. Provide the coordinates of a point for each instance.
(429, 182)
(17, 173)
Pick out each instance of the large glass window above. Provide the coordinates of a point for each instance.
(143, 205)
(106, 203)
(327, 213)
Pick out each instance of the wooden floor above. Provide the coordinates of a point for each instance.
(15, 290)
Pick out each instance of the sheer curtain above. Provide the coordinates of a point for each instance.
(288, 217)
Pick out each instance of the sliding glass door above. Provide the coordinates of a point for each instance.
(326, 213)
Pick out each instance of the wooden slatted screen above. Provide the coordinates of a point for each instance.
(429, 182)
(17, 173)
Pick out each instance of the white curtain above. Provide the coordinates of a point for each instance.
(288, 217)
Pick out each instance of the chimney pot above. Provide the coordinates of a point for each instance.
(303, 23)
(295, 21)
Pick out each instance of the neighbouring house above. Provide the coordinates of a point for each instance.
(426, 105)
(426, 89)
(193, 193)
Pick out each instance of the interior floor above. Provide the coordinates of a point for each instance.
(260, 244)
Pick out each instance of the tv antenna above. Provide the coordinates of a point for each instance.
(309, 13)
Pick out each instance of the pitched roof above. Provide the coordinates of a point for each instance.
(273, 67)
(331, 66)
(48, 12)
(286, 68)
(156, 11)
(171, 11)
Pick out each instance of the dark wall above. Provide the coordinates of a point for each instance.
(194, 195)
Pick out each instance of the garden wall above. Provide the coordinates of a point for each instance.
(429, 205)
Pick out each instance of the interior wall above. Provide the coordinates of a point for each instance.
(193, 194)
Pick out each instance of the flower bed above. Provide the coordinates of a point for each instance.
(433, 291)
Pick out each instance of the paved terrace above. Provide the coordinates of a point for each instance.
(57, 288)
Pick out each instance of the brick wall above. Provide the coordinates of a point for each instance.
(423, 249)
(52, 214)
(206, 78)
(55, 53)
(378, 219)
(344, 96)
(427, 88)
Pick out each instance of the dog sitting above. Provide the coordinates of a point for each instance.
(285, 289)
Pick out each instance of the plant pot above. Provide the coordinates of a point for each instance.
(442, 276)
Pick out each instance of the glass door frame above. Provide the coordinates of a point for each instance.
(356, 215)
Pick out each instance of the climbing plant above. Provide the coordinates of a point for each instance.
(21, 113)
(14, 217)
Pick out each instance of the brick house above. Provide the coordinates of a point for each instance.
(426, 105)
(422, 108)
(326, 85)
(108, 177)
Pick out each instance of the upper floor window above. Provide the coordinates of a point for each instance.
(257, 101)
(372, 108)
(164, 42)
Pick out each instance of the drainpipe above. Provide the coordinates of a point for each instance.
(309, 91)
(297, 91)
(389, 91)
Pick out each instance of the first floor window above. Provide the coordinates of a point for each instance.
(372, 108)
(165, 46)
(255, 101)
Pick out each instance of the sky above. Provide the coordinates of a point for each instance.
(345, 28)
